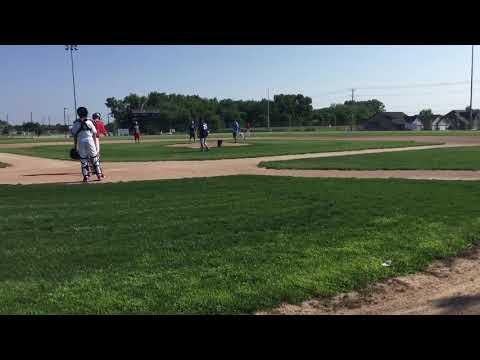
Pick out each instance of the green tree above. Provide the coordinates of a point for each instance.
(176, 111)
(426, 117)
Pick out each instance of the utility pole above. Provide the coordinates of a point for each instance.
(353, 100)
(268, 109)
(31, 117)
(72, 48)
(471, 91)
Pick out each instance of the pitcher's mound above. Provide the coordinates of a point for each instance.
(212, 144)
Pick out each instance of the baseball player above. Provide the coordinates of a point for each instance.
(84, 132)
(202, 134)
(136, 132)
(235, 130)
(101, 130)
(191, 129)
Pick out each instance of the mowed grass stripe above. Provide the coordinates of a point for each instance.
(227, 134)
(241, 244)
(458, 158)
(256, 148)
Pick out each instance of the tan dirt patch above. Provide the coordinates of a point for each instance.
(447, 287)
(33, 170)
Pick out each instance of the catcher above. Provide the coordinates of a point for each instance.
(83, 132)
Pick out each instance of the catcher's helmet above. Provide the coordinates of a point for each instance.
(82, 111)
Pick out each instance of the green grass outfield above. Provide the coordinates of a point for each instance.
(60, 138)
(370, 133)
(227, 135)
(459, 158)
(159, 151)
(220, 245)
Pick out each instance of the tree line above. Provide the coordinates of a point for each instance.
(174, 111)
(31, 128)
(36, 129)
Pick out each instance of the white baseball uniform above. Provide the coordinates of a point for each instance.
(85, 132)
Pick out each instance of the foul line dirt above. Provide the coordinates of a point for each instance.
(32, 170)
(448, 287)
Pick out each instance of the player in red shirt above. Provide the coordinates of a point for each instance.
(101, 131)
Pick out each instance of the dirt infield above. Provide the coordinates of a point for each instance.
(33, 170)
(449, 287)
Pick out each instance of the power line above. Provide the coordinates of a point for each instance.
(412, 94)
(452, 83)
(403, 86)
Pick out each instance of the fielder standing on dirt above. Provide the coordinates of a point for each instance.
(191, 130)
(136, 132)
(84, 134)
(235, 130)
(202, 134)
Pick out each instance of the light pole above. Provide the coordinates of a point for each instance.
(268, 109)
(73, 48)
(471, 91)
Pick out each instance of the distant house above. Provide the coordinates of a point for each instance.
(440, 124)
(387, 121)
(457, 120)
(428, 124)
(413, 123)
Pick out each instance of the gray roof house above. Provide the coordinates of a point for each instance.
(386, 121)
(413, 123)
(457, 120)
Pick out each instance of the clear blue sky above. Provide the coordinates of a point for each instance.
(38, 78)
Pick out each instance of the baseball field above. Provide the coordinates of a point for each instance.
(266, 226)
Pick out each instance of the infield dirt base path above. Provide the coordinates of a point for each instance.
(33, 170)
